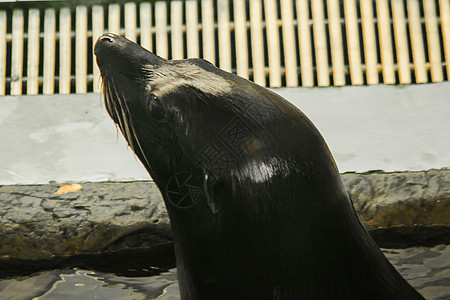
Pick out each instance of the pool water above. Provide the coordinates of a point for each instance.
(425, 268)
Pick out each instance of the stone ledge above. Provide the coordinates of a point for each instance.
(384, 200)
(38, 223)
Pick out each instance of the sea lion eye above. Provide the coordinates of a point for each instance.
(155, 108)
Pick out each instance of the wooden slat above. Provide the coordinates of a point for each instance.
(48, 86)
(81, 49)
(208, 31)
(145, 16)
(33, 52)
(370, 46)
(176, 19)
(384, 33)
(320, 43)
(223, 20)
(399, 22)
(192, 29)
(415, 30)
(290, 53)
(17, 52)
(434, 49)
(273, 44)
(114, 18)
(240, 31)
(259, 75)
(130, 21)
(161, 28)
(401, 41)
(2, 51)
(353, 46)
(304, 40)
(337, 50)
(444, 6)
(64, 50)
(97, 31)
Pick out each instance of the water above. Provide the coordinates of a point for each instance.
(426, 268)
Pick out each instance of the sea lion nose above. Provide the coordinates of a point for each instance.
(104, 41)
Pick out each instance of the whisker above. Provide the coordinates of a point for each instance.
(107, 99)
(116, 105)
(116, 112)
(123, 114)
(127, 130)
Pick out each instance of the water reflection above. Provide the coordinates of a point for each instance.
(427, 269)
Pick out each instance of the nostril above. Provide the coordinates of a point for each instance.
(106, 39)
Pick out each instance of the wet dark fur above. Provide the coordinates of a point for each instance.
(268, 216)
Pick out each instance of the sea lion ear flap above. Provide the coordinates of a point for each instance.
(155, 107)
(208, 188)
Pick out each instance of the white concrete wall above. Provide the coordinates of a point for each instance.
(71, 138)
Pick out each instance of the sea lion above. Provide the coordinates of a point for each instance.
(256, 203)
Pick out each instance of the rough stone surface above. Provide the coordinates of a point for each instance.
(36, 223)
(401, 199)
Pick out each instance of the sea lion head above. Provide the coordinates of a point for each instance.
(157, 103)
